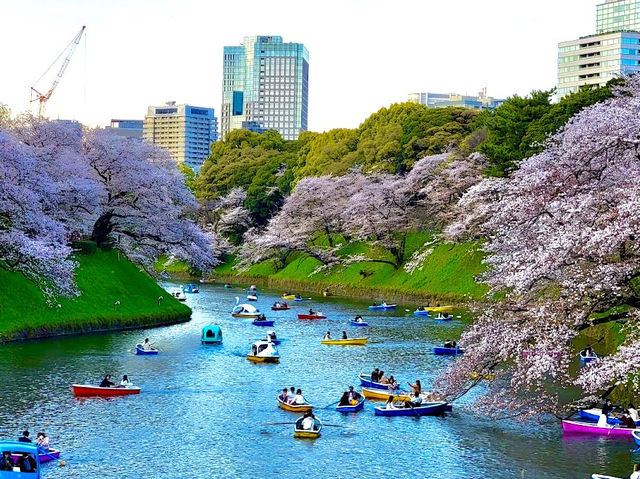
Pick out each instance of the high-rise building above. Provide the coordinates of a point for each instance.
(127, 128)
(612, 52)
(265, 86)
(618, 16)
(442, 100)
(185, 131)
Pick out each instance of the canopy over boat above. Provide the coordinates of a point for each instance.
(245, 311)
(294, 407)
(425, 409)
(45, 456)
(87, 390)
(307, 427)
(591, 428)
(21, 449)
(211, 334)
(263, 351)
(346, 342)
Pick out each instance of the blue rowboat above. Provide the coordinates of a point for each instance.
(442, 351)
(421, 312)
(594, 415)
(587, 358)
(382, 307)
(265, 322)
(442, 317)
(365, 381)
(351, 408)
(428, 409)
(636, 437)
(358, 323)
(142, 352)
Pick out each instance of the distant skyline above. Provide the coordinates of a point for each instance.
(363, 54)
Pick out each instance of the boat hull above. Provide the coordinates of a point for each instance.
(440, 351)
(345, 342)
(294, 407)
(263, 323)
(590, 428)
(380, 395)
(439, 309)
(84, 390)
(246, 315)
(421, 313)
(210, 341)
(279, 308)
(140, 351)
(356, 323)
(50, 455)
(310, 316)
(261, 359)
(288, 297)
(434, 409)
(352, 407)
(303, 434)
(383, 307)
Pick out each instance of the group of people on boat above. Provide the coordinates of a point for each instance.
(415, 401)
(451, 344)
(377, 376)
(292, 396)
(351, 397)
(358, 319)
(628, 418)
(280, 304)
(327, 336)
(108, 383)
(25, 462)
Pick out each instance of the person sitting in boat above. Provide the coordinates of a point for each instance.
(607, 408)
(627, 422)
(309, 421)
(27, 463)
(311, 312)
(283, 395)
(298, 296)
(42, 441)
(375, 303)
(416, 401)
(450, 344)
(271, 336)
(382, 379)
(344, 335)
(358, 319)
(390, 404)
(375, 375)
(350, 397)
(25, 437)
(147, 346)
(291, 394)
(299, 399)
(633, 413)
(6, 463)
(327, 336)
(106, 382)
(636, 472)
(417, 387)
(393, 384)
(125, 382)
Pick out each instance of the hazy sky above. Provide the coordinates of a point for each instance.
(364, 54)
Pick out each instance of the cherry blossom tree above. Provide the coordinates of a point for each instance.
(562, 237)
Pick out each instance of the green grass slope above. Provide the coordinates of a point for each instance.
(103, 278)
(447, 273)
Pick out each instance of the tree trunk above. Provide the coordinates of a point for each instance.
(102, 228)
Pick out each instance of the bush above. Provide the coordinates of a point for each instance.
(85, 246)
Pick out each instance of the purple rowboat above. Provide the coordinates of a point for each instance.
(590, 428)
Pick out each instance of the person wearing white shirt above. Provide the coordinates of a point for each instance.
(633, 413)
(298, 398)
(636, 472)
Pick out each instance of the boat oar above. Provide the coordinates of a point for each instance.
(337, 425)
(279, 423)
(332, 404)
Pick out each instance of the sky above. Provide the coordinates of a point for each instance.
(363, 54)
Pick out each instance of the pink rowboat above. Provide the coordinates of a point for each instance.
(591, 428)
(85, 390)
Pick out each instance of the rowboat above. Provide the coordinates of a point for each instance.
(263, 352)
(17, 449)
(601, 476)
(442, 351)
(365, 381)
(351, 407)
(310, 433)
(87, 390)
(316, 315)
(141, 351)
(590, 428)
(587, 358)
(594, 415)
(211, 334)
(426, 409)
(380, 395)
(280, 307)
(358, 323)
(636, 437)
(288, 296)
(382, 307)
(436, 309)
(45, 456)
(294, 407)
(443, 317)
(326, 293)
(346, 342)
(263, 322)
(421, 312)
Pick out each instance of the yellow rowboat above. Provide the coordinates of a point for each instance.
(326, 294)
(346, 342)
(486, 377)
(288, 296)
(294, 407)
(304, 430)
(437, 308)
(382, 395)
(263, 359)
(305, 434)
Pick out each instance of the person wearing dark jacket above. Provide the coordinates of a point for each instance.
(25, 437)
(106, 382)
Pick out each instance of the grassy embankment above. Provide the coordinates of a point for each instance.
(447, 274)
(103, 278)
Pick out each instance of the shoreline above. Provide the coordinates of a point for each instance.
(41, 332)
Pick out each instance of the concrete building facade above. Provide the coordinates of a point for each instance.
(442, 100)
(131, 129)
(265, 86)
(186, 131)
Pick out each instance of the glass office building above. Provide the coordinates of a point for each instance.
(131, 129)
(185, 131)
(265, 86)
(443, 100)
(618, 16)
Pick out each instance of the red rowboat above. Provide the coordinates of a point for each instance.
(317, 315)
(86, 390)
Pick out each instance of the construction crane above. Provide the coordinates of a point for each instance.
(44, 97)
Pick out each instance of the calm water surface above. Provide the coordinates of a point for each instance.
(204, 410)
